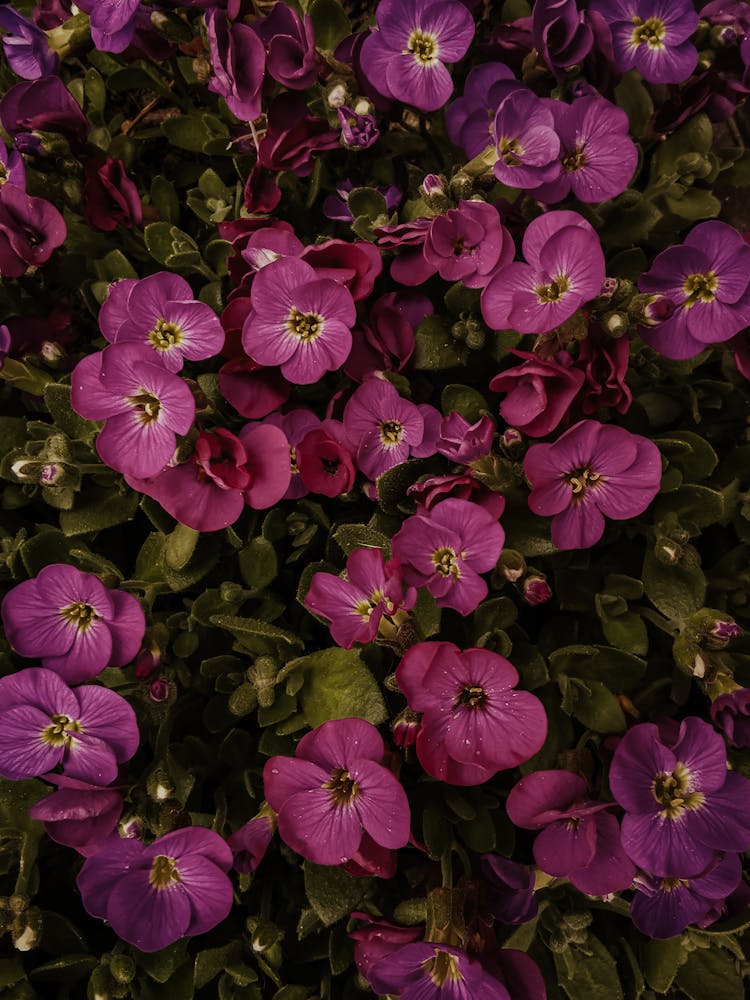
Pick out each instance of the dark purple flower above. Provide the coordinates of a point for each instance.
(707, 281)
(238, 62)
(510, 887)
(334, 791)
(89, 731)
(730, 713)
(44, 105)
(5, 343)
(51, 13)
(469, 120)
(250, 843)
(473, 721)
(560, 33)
(377, 939)
(152, 896)
(358, 131)
(540, 392)
(25, 46)
(110, 198)
(78, 815)
(663, 907)
(144, 407)
(526, 142)
(31, 229)
(292, 58)
(325, 458)
(535, 589)
(404, 59)
(113, 22)
(425, 971)
(652, 36)
(386, 341)
(681, 804)
(73, 623)
(579, 839)
(591, 471)
(604, 363)
(294, 138)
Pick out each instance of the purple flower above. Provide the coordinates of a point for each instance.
(473, 723)
(334, 791)
(377, 939)
(386, 341)
(110, 197)
(579, 840)
(44, 105)
(336, 206)
(706, 280)
(358, 131)
(540, 392)
(565, 270)
(404, 60)
(652, 37)
(113, 22)
(31, 229)
(73, 623)
(12, 168)
(526, 142)
(78, 815)
(462, 442)
(5, 343)
(26, 47)
(43, 723)
(425, 971)
(299, 321)
(295, 424)
(446, 548)
(152, 896)
(681, 804)
(161, 313)
(356, 605)
(510, 887)
(294, 137)
(144, 407)
(730, 713)
(591, 471)
(663, 907)
(385, 428)
(597, 156)
(292, 58)
(238, 63)
(250, 843)
(469, 120)
(560, 33)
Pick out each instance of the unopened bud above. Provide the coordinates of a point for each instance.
(512, 565)
(26, 929)
(432, 185)
(122, 969)
(535, 589)
(336, 96)
(158, 690)
(651, 310)
(405, 728)
(615, 323)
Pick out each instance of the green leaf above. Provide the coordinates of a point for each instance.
(661, 961)
(57, 401)
(618, 670)
(593, 704)
(434, 348)
(161, 965)
(338, 685)
(365, 201)
(211, 961)
(258, 563)
(633, 97)
(333, 893)
(692, 454)
(68, 969)
(591, 974)
(711, 973)
(102, 508)
(464, 400)
(256, 635)
(360, 536)
(330, 22)
(676, 591)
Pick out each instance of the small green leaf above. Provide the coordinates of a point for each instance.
(338, 685)
(676, 591)
(333, 893)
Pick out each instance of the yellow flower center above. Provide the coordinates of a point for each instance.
(59, 733)
(165, 335)
(304, 326)
(582, 480)
(700, 288)
(391, 432)
(575, 159)
(651, 32)
(148, 404)
(163, 872)
(471, 697)
(445, 562)
(510, 151)
(79, 614)
(442, 969)
(554, 291)
(343, 788)
(673, 791)
(423, 47)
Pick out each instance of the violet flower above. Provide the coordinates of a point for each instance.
(426, 971)
(386, 341)
(404, 59)
(355, 605)
(664, 907)
(12, 168)
(250, 843)
(446, 548)
(294, 137)
(153, 896)
(44, 105)
(526, 142)
(510, 888)
(25, 46)
(334, 791)
(591, 471)
(579, 839)
(89, 731)
(290, 40)
(295, 424)
(31, 229)
(73, 623)
(469, 120)
(565, 270)
(652, 36)
(357, 131)
(462, 442)
(597, 156)
(707, 282)
(237, 62)
(113, 22)
(385, 428)
(730, 713)
(78, 815)
(474, 723)
(681, 804)
(144, 407)
(560, 33)
(299, 321)
(161, 313)
(377, 939)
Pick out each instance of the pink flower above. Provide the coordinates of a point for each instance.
(334, 791)
(539, 392)
(299, 321)
(356, 605)
(458, 486)
(254, 391)
(325, 460)
(473, 722)
(295, 424)
(385, 428)
(446, 548)
(604, 363)
(386, 341)
(463, 442)
(354, 265)
(250, 843)
(593, 470)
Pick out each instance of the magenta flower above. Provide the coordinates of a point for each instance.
(730, 713)
(73, 623)
(597, 156)
(43, 723)
(540, 392)
(446, 548)
(681, 804)
(355, 605)
(12, 168)
(404, 60)
(469, 120)
(325, 460)
(250, 843)
(295, 424)
(25, 46)
(706, 281)
(299, 321)
(473, 723)
(161, 313)
(78, 815)
(377, 939)
(334, 791)
(238, 60)
(144, 407)
(663, 907)
(525, 140)
(462, 442)
(579, 839)
(254, 391)
(31, 229)
(426, 971)
(652, 37)
(385, 428)
(294, 137)
(386, 341)
(591, 472)
(153, 896)
(565, 270)
(110, 197)
(113, 23)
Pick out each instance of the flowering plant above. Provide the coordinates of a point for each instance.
(375, 478)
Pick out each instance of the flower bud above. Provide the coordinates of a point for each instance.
(651, 310)
(26, 929)
(511, 442)
(615, 323)
(432, 186)
(512, 565)
(336, 95)
(122, 969)
(158, 690)
(405, 728)
(535, 589)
